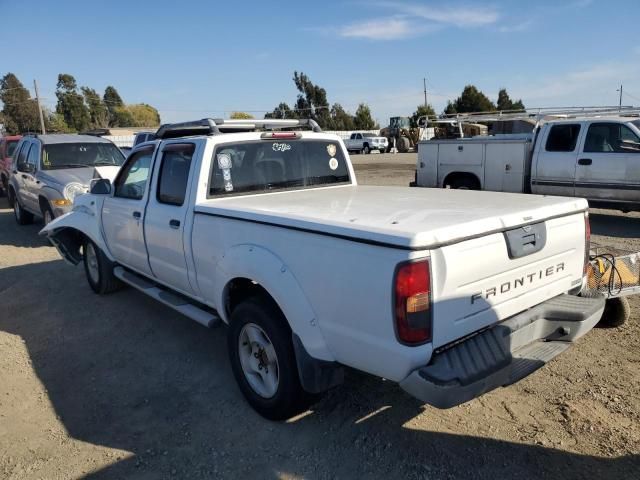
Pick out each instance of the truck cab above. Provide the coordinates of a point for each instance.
(596, 158)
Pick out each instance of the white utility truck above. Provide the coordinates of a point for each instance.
(593, 153)
(261, 225)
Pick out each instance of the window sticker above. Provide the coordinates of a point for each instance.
(224, 161)
(331, 150)
(333, 163)
(281, 147)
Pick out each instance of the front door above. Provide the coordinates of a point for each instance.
(555, 167)
(167, 232)
(608, 167)
(123, 212)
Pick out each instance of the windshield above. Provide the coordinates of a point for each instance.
(267, 165)
(11, 147)
(79, 155)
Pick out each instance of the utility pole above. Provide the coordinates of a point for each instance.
(35, 86)
(424, 81)
(620, 102)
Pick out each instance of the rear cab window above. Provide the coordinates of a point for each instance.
(262, 166)
(563, 137)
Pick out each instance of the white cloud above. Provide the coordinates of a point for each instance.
(462, 16)
(517, 27)
(384, 29)
(592, 85)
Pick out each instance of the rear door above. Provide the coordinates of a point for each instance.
(556, 156)
(608, 166)
(166, 223)
(123, 212)
(31, 183)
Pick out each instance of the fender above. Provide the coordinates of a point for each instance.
(85, 219)
(267, 269)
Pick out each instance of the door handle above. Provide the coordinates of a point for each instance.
(23, 176)
(585, 161)
(137, 215)
(174, 223)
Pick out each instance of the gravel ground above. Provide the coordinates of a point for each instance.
(122, 387)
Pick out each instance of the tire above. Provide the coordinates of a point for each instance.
(616, 313)
(366, 150)
(263, 360)
(4, 187)
(403, 145)
(22, 216)
(47, 214)
(99, 270)
(464, 183)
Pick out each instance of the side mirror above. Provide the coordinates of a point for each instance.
(26, 168)
(100, 186)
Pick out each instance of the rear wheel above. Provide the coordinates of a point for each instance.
(22, 216)
(98, 269)
(263, 360)
(616, 312)
(463, 183)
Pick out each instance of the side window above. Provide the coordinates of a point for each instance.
(611, 138)
(22, 156)
(32, 158)
(353, 136)
(132, 179)
(359, 136)
(563, 138)
(174, 173)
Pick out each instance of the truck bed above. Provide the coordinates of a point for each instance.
(411, 219)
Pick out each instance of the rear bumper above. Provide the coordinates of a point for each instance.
(505, 353)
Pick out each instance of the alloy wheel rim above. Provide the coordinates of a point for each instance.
(92, 263)
(258, 360)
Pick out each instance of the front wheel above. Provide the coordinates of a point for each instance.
(98, 269)
(263, 360)
(366, 150)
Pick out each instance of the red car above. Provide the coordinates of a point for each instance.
(7, 146)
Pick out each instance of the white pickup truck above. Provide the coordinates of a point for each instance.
(594, 157)
(363, 142)
(262, 226)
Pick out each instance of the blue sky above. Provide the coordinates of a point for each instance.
(193, 59)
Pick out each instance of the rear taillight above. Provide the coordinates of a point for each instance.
(412, 303)
(587, 240)
(280, 135)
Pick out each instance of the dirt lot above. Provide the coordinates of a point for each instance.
(122, 387)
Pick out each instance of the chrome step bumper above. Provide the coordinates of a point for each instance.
(504, 353)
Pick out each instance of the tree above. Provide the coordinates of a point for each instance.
(340, 118)
(55, 123)
(143, 115)
(505, 102)
(312, 100)
(363, 119)
(98, 112)
(422, 111)
(282, 111)
(20, 111)
(471, 100)
(71, 104)
(240, 116)
(113, 101)
(121, 117)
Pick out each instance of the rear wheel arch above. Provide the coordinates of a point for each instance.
(462, 180)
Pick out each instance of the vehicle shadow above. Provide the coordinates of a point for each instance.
(13, 234)
(614, 225)
(125, 372)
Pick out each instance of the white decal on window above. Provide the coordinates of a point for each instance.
(281, 147)
(224, 161)
(331, 150)
(333, 164)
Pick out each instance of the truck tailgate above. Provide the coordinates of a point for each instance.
(481, 281)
